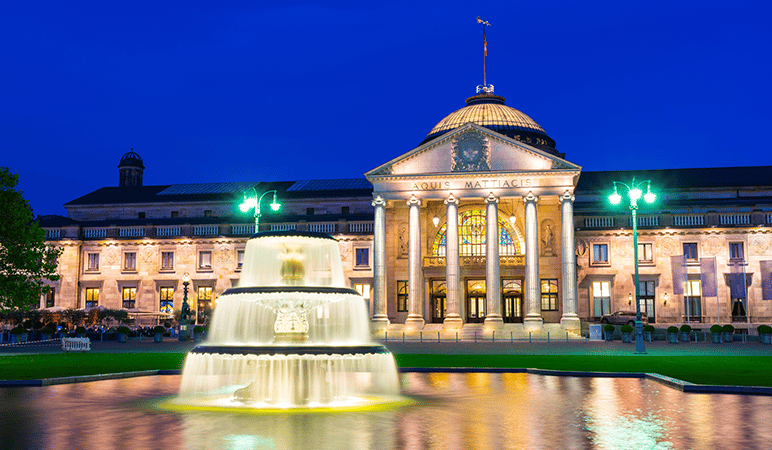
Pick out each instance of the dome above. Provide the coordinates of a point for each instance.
(489, 111)
(131, 159)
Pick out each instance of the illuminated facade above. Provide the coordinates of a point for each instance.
(416, 241)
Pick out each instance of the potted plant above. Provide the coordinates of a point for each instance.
(608, 332)
(18, 334)
(158, 333)
(728, 330)
(198, 330)
(627, 333)
(716, 331)
(647, 332)
(765, 334)
(672, 334)
(685, 330)
(46, 333)
(123, 333)
(80, 332)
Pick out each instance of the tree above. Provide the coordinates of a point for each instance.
(25, 258)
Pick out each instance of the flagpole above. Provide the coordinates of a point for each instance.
(485, 51)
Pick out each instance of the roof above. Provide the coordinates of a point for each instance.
(695, 178)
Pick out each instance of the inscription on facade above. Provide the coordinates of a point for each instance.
(472, 184)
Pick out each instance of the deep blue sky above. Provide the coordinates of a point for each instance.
(243, 91)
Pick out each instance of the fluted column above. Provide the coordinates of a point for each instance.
(380, 319)
(415, 317)
(570, 319)
(493, 318)
(453, 317)
(533, 319)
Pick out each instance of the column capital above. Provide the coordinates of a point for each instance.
(567, 196)
(531, 197)
(491, 199)
(414, 201)
(451, 199)
(378, 201)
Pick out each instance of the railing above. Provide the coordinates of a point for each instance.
(688, 220)
(131, 232)
(53, 234)
(95, 232)
(599, 222)
(322, 227)
(206, 230)
(168, 231)
(734, 219)
(76, 344)
(243, 229)
(645, 221)
(439, 261)
(283, 226)
(360, 227)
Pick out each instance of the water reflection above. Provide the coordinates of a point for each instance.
(456, 411)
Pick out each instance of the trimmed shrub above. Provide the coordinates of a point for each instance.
(672, 329)
(47, 330)
(80, 330)
(649, 328)
(728, 328)
(123, 330)
(18, 329)
(764, 329)
(159, 329)
(200, 329)
(716, 329)
(686, 328)
(626, 329)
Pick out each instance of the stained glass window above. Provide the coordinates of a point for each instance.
(471, 236)
(167, 300)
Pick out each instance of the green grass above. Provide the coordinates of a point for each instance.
(721, 370)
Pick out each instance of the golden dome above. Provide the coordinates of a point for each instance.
(488, 110)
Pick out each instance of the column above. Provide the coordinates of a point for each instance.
(533, 319)
(380, 321)
(453, 318)
(493, 320)
(415, 317)
(570, 319)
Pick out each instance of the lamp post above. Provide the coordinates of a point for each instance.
(634, 193)
(185, 313)
(254, 201)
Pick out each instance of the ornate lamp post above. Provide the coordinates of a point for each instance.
(634, 193)
(185, 313)
(254, 201)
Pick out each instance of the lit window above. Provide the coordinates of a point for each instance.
(549, 294)
(167, 260)
(129, 295)
(736, 250)
(93, 261)
(240, 258)
(167, 300)
(690, 251)
(50, 297)
(692, 301)
(600, 253)
(130, 261)
(92, 297)
(601, 297)
(645, 252)
(204, 297)
(363, 257)
(363, 289)
(402, 292)
(205, 260)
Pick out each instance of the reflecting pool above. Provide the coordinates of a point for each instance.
(453, 411)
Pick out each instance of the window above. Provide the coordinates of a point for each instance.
(309, 211)
(130, 261)
(93, 261)
(205, 260)
(601, 297)
(50, 297)
(129, 295)
(645, 253)
(472, 237)
(92, 297)
(363, 257)
(167, 260)
(208, 213)
(646, 297)
(692, 303)
(736, 250)
(549, 294)
(344, 210)
(141, 215)
(175, 214)
(690, 251)
(402, 292)
(363, 289)
(240, 258)
(167, 300)
(204, 296)
(600, 253)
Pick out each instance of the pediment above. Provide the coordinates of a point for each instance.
(468, 150)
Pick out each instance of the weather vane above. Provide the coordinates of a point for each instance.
(484, 87)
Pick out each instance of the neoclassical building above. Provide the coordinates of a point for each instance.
(485, 226)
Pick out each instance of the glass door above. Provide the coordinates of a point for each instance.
(475, 301)
(438, 298)
(512, 301)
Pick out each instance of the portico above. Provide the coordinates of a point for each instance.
(474, 227)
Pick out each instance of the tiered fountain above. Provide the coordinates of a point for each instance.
(292, 335)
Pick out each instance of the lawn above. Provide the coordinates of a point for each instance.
(721, 370)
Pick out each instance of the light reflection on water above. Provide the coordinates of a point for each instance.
(455, 411)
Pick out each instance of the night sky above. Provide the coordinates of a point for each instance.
(261, 91)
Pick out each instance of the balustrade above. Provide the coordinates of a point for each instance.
(734, 219)
(599, 222)
(688, 220)
(168, 231)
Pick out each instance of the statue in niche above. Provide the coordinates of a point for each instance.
(547, 238)
(403, 240)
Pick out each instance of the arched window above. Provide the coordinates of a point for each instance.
(471, 236)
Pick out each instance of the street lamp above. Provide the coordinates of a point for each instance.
(634, 192)
(254, 201)
(185, 313)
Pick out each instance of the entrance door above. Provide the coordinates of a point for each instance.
(512, 301)
(439, 306)
(475, 301)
